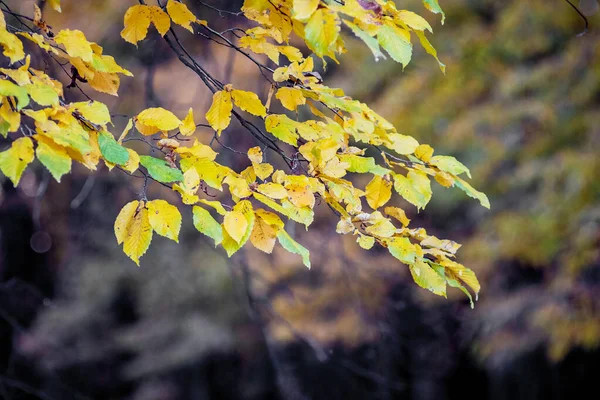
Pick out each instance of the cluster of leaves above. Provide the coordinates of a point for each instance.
(320, 153)
(521, 109)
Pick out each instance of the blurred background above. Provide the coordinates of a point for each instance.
(519, 105)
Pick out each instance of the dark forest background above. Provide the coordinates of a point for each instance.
(519, 105)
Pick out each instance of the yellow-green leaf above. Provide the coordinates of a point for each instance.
(14, 160)
(52, 156)
(294, 247)
(414, 188)
(428, 278)
(207, 225)
(396, 41)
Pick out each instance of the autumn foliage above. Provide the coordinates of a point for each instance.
(316, 156)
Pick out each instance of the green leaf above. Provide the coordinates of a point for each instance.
(434, 7)
(449, 164)
(471, 192)
(8, 88)
(368, 39)
(160, 170)
(111, 150)
(363, 165)
(396, 41)
(207, 225)
(294, 247)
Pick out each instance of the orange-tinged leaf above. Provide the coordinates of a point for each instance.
(263, 236)
(137, 21)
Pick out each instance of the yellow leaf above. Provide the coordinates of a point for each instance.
(291, 98)
(159, 118)
(13, 118)
(75, 44)
(14, 160)
(366, 242)
(424, 152)
(255, 155)
(198, 150)
(138, 232)
(216, 205)
(231, 245)
(272, 190)
(94, 111)
(238, 186)
(263, 235)
(249, 102)
(125, 216)
(13, 48)
(270, 218)
(188, 126)
(379, 191)
(133, 163)
(55, 4)
(137, 21)
(39, 40)
(164, 218)
(303, 9)
(180, 14)
(398, 214)
(189, 187)
(125, 130)
(235, 224)
(219, 114)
